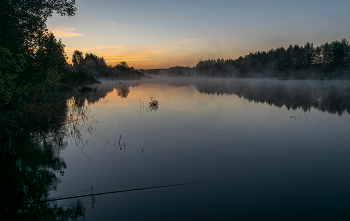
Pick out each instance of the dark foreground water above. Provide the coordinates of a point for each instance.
(267, 150)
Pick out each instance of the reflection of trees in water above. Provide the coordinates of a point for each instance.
(29, 176)
(123, 91)
(327, 97)
(90, 97)
(102, 90)
(32, 169)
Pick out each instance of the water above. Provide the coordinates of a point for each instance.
(267, 150)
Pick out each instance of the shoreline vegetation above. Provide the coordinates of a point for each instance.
(42, 96)
(35, 78)
(325, 62)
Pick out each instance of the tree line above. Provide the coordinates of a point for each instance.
(327, 57)
(34, 67)
(329, 60)
(97, 67)
(32, 60)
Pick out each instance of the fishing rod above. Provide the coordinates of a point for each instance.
(103, 193)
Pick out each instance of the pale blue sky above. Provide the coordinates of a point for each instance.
(151, 34)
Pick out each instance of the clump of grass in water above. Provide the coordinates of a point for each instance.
(154, 105)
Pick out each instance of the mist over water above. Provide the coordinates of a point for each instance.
(267, 150)
(255, 126)
(327, 96)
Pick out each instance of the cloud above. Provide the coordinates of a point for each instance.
(65, 32)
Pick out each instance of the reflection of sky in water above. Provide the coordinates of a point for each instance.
(256, 159)
(179, 107)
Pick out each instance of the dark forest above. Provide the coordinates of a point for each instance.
(327, 61)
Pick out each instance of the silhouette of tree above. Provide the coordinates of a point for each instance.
(123, 64)
(77, 58)
(92, 61)
(23, 22)
(24, 37)
(295, 58)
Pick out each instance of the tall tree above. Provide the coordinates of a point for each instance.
(23, 21)
(309, 55)
(77, 58)
(24, 37)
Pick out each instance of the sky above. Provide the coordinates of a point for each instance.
(162, 34)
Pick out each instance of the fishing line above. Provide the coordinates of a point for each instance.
(103, 193)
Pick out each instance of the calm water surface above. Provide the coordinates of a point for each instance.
(267, 150)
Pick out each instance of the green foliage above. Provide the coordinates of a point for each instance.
(22, 22)
(32, 65)
(46, 64)
(32, 72)
(10, 66)
(33, 61)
